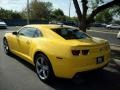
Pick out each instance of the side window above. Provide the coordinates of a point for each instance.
(38, 33)
(29, 32)
(22, 31)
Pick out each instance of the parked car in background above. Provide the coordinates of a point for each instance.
(70, 23)
(113, 26)
(118, 35)
(3, 25)
(98, 25)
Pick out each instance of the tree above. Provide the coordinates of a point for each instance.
(16, 15)
(115, 11)
(104, 16)
(85, 19)
(57, 15)
(9, 14)
(39, 10)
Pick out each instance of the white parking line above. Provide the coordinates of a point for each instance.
(117, 45)
(117, 60)
(102, 32)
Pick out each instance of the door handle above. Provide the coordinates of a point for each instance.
(27, 42)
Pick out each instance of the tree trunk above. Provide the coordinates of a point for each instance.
(82, 17)
(83, 25)
(78, 11)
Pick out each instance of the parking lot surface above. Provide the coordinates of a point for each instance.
(16, 74)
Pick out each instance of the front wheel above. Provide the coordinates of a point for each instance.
(6, 46)
(43, 68)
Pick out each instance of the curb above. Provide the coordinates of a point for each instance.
(102, 32)
(115, 48)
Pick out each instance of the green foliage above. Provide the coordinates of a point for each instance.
(75, 19)
(104, 16)
(15, 15)
(95, 3)
(107, 15)
(9, 14)
(58, 12)
(38, 10)
(115, 11)
(57, 15)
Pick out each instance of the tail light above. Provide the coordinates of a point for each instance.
(76, 52)
(107, 47)
(85, 52)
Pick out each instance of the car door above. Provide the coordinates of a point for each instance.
(14, 42)
(25, 40)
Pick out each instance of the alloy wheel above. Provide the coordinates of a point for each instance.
(5, 46)
(42, 67)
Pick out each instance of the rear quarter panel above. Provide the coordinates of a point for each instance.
(51, 47)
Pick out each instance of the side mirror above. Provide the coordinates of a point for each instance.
(14, 33)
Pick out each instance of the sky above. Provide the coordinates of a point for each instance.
(19, 5)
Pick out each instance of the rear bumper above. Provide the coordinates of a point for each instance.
(69, 67)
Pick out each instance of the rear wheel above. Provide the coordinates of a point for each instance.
(109, 28)
(6, 46)
(43, 68)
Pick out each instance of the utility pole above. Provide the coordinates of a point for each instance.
(28, 18)
(69, 7)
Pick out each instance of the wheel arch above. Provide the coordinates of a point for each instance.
(4, 38)
(39, 52)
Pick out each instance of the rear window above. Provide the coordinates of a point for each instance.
(70, 33)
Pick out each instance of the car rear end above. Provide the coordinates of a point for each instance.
(82, 59)
(85, 54)
(85, 58)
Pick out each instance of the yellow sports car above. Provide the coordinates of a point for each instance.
(57, 50)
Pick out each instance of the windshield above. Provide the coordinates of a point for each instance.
(70, 33)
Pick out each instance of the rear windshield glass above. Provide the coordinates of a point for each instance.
(70, 33)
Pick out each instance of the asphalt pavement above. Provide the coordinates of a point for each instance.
(16, 74)
(110, 36)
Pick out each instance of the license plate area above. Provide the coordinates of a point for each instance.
(100, 60)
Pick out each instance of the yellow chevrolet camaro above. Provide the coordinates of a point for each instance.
(57, 50)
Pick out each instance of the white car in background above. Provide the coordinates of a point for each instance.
(118, 35)
(3, 25)
(113, 26)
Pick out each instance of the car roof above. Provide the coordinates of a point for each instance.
(48, 26)
(47, 30)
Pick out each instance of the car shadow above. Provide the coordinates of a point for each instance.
(105, 80)
(115, 54)
(23, 62)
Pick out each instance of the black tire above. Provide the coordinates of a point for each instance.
(109, 28)
(6, 47)
(43, 68)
